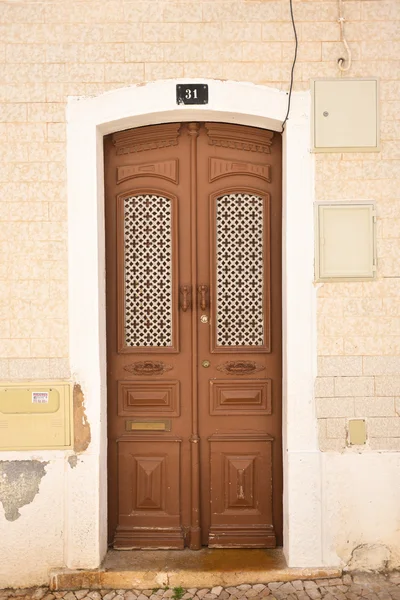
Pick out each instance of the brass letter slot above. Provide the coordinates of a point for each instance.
(157, 425)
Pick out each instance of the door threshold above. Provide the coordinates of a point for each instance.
(150, 569)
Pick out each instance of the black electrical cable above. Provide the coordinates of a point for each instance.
(293, 65)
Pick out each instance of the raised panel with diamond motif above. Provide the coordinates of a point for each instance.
(241, 490)
(148, 471)
(239, 481)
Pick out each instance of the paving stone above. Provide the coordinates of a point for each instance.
(210, 596)
(337, 593)
(275, 585)
(94, 595)
(49, 597)
(70, 596)
(328, 596)
(302, 595)
(192, 590)
(266, 592)
(224, 595)
(166, 594)
(82, 593)
(147, 593)
(251, 593)
(39, 593)
(298, 585)
(142, 597)
(288, 588)
(130, 596)
(217, 590)
(119, 597)
(201, 593)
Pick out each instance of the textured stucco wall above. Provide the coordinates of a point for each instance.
(54, 49)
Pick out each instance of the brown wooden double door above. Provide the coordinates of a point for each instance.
(193, 243)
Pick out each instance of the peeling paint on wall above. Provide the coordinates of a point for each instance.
(369, 557)
(19, 484)
(73, 461)
(82, 434)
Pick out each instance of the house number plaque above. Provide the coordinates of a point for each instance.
(192, 93)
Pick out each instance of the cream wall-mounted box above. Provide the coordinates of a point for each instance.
(35, 416)
(345, 115)
(345, 241)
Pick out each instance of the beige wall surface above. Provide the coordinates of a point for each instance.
(50, 50)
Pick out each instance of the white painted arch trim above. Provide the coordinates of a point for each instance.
(89, 119)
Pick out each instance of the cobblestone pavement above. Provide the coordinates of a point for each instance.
(349, 587)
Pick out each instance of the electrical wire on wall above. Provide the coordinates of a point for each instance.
(341, 60)
(293, 65)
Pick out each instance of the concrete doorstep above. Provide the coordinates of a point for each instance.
(205, 568)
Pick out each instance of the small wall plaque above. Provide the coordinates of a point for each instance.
(357, 432)
(192, 93)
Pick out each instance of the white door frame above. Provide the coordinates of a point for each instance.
(88, 120)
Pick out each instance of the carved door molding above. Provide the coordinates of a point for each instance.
(193, 238)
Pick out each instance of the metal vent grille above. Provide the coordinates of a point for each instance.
(240, 271)
(148, 271)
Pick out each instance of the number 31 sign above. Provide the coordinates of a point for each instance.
(192, 93)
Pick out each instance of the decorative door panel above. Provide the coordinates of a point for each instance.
(144, 398)
(241, 491)
(149, 504)
(238, 397)
(193, 257)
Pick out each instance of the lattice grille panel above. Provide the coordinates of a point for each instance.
(240, 272)
(148, 271)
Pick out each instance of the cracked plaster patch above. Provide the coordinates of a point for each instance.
(19, 484)
(369, 557)
(82, 434)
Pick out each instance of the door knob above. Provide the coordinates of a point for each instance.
(205, 364)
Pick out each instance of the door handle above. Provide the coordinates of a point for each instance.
(203, 289)
(185, 291)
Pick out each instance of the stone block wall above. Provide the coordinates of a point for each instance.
(50, 50)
